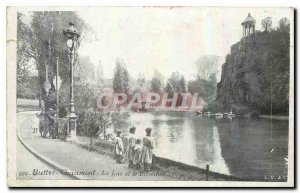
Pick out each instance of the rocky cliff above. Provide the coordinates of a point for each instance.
(255, 75)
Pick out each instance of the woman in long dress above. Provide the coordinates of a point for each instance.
(148, 146)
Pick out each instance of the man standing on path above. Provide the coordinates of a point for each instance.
(148, 147)
(119, 148)
(130, 148)
(49, 123)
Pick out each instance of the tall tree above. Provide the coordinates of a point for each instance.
(176, 83)
(48, 42)
(157, 82)
(206, 65)
(141, 80)
(182, 85)
(99, 74)
(266, 24)
(121, 77)
(27, 84)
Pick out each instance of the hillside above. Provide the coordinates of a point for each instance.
(255, 75)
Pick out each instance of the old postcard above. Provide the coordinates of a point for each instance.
(150, 97)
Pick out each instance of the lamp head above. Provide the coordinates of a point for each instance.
(72, 35)
(71, 32)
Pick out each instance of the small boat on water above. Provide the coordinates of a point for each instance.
(207, 114)
(230, 114)
(219, 115)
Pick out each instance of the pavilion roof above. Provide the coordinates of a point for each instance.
(249, 19)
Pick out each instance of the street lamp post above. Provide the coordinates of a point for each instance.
(46, 84)
(73, 43)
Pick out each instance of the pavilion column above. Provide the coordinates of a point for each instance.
(243, 30)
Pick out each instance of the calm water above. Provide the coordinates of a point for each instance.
(241, 147)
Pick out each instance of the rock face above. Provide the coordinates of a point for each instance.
(255, 75)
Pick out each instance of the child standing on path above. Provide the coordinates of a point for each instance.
(35, 123)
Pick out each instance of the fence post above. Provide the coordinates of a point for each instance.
(207, 172)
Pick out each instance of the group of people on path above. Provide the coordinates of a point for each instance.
(138, 153)
(45, 123)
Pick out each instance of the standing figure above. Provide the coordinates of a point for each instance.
(49, 123)
(41, 123)
(35, 123)
(119, 148)
(138, 149)
(130, 148)
(148, 146)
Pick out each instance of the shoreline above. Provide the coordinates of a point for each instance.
(277, 117)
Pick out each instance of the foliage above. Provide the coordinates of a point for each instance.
(205, 88)
(207, 65)
(84, 71)
(28, 88)
(120, 120)
(26, 81)
(39, 43)
(257, 74)
(176, 83)
(42, 41)
(205, 82)
(157, 82)
(99, 75)
(141, 80)
(91, 123)
(121, 77)
(266, 24)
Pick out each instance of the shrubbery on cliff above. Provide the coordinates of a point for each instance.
(256, 73)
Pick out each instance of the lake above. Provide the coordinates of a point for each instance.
(244, 147)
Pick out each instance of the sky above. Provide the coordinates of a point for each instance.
(168, 39)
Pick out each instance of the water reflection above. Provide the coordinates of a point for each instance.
(241, 146)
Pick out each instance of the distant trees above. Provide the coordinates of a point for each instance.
(141, 80)
(284, 24)
(121, 77)
(27, 84)
(176, 83)
(40, 42)
(85, 70)
(157, 83)
(206, 66)
(205, 88)
(284, 27)
(266, 24)
(99, 74)
(205, 82)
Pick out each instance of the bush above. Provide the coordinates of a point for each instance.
(91, 123)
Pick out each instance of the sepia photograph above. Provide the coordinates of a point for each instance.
(150, 96)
